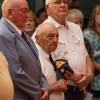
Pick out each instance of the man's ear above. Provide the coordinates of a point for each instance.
(9, 11)
(37, 38)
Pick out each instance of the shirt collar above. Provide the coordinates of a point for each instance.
(42, 51)
(55, 23)
(16, 28)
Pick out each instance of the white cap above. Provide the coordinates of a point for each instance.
(49, 1)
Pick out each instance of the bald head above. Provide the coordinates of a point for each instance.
(10, 4)
(42, 28)
(47, 37)
(17, 11)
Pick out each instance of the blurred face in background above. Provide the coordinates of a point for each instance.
(76, 16)
(76, 20)
(29, 26)
(79, 22)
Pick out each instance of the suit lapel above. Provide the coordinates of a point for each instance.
(32, 45)
(13, 31)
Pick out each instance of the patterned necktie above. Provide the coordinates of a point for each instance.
(24, 37)
(62, 68)
(58, 74)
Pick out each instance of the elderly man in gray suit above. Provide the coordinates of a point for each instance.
(21, 52)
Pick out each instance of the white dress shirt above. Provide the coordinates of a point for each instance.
(48, 71)
(70, 45)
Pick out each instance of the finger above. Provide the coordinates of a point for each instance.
(45, 95)
(82, 80)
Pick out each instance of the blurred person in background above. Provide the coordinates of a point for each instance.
(92, 33)
(30, 24)
(76, 16)
(6, 85)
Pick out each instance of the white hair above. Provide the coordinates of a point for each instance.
(8, 4)
(5, 6)
(49, 1)
(42, 27)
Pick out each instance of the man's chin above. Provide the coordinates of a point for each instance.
(63, 14)
(53, 49)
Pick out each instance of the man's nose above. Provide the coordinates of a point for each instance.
(28, 14)
(62, 3)
(55, 39)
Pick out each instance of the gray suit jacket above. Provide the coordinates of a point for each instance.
(24, 67)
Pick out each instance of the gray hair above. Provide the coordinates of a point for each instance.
(5, 6)
(9, 4)
(42, 27)
(76, 13)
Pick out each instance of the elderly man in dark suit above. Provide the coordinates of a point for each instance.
(21, 53)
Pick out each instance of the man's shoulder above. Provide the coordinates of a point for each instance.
(72, 25)
(5, 32)
(52, 21)
(3, 26)
(48, 21)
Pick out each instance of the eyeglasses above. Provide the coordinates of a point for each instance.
(23, 10)
(61, 1)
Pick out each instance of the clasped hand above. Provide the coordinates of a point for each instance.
(60, 85)
(81, 80)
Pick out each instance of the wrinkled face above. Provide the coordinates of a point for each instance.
(29, 25)
(58, 9)
(19, 13)
(48, 40)
(79, 22)
(76, 20)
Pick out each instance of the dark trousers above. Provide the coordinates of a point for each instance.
(73, 93)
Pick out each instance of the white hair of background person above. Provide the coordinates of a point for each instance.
(75, 13)
(49, 1)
